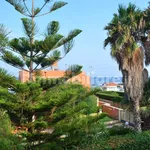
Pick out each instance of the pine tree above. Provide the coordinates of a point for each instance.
(29, 54)
(48, 115)
(49, 109)
(7, 140)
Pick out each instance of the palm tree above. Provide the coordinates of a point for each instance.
(123, 33)
(145, 30)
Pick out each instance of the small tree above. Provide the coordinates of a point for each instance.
(29, 54)
(48, 115)
(7, 139)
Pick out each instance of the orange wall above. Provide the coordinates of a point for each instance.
(100, 103)
(81, 78)
(111, 111)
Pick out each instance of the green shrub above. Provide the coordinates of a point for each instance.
(7, 139)
(112, 96)
(119, 130)
(141, 142)
(91, 102)
(48, 146)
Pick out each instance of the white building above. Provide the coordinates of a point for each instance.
(112, 87)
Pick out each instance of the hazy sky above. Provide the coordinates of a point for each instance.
(91, 16)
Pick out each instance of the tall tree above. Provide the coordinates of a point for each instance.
(58, 111)
(29, 54)
(145, 34)
(123, 37)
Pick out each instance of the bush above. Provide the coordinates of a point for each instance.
(141, 142)
(119, 130)
(7, 139)
(91, 102)
(112, 96)
(48, 146)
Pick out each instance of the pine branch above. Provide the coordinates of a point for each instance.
(6, 58)
(29, 27)
(18, 6)
(27, 8)
(55, 6)
(15, 66)
(42, 7)
(70, 36)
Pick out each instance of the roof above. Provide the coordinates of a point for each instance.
(110, 84)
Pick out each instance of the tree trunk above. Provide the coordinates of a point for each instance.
(132, 70)
(125, 82)
(30, 75)
(136, 114)
(32, 42)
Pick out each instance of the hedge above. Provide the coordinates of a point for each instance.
(116, 138)
(140, 142)
(112, 96)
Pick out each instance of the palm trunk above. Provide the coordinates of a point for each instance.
(132, 70)
(125, 82)
(136, 115)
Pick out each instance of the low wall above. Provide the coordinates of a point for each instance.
(115, 104)
(116, 113)
(100, 103)
(111, 111)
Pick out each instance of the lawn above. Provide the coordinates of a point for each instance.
(106, 119)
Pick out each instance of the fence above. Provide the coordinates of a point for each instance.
(116, 113)
(126, 116)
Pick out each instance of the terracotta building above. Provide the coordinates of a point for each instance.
(55, 73)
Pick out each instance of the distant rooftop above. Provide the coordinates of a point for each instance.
(110, 84)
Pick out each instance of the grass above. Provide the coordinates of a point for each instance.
(106, 119)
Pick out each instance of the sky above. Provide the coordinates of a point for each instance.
(91, 16)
